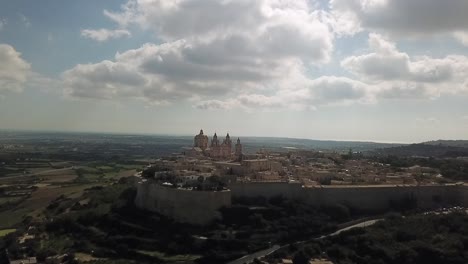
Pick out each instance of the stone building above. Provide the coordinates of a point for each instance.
(238, 153)
(217, 150)
(221, 150)
(201, 141)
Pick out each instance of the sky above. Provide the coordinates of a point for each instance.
(371, 70)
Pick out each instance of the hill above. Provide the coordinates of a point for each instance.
(449, 143)
(438, 149)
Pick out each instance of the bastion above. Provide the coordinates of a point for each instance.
(182, 205)
(363, 197)
(202, 207)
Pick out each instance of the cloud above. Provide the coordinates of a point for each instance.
(104, 80)
(181, 19)
(14, 71)
(210, 50)
(174, 71)
(323, 91)
(265, 23)
(462, 37)
(387, 63)
(24, 20)
(400, 17)
(218, 104)
(257, 55)
(401, 75)
(103, 34)
(224, 78)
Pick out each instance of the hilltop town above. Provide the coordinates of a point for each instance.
(174, 185)
(310, 168)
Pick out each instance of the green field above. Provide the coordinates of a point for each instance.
(5, 232)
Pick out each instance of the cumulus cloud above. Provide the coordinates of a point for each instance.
(25, 20)
(103, 34)
(14, 70)
(257, 54)
(401, 75)
(387, 63)
(264, 25)
(323, 91)
(173, 71)
(182, 19)
(210, 49)
(401, 17)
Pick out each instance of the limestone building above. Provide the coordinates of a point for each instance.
(217, 150)
(201, 141)
(238, 153)
(221, 150)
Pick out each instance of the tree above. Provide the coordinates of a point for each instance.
(200, 179)
(300, 258)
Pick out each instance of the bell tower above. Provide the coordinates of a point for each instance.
(238, 152)
(200, 140)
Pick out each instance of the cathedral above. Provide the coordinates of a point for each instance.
(217, 149)
(201, 141)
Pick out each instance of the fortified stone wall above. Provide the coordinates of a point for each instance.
(360, 197)
(267, 189)
(201, 207)
(194, 207)
(381, 197)
(464, 195)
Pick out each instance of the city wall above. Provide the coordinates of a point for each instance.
(201, 207)
(267, 189)
(194, 207)
(464, 195)
(377, 197)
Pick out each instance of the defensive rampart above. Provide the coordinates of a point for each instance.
(201, 207)
(186, 206)
(464, 195)
(370, 197)
(383, 197)
(267, 189)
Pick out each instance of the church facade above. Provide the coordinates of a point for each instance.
(220, 150)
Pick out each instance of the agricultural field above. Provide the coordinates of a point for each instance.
(29, 187)
(5, 232)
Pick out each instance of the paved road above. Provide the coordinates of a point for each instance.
(363, 224)
(250, 258)
(258, 254)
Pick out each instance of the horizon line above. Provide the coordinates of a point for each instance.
(188, 135)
